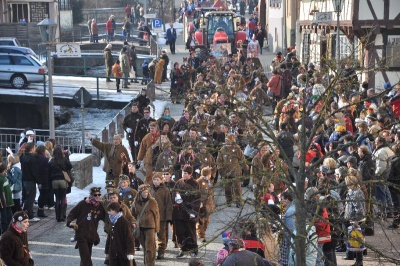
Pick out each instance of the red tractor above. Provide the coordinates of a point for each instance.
(219, 31)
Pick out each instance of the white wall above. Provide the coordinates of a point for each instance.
(66, 19)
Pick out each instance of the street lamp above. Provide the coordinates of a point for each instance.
(47, 29)
(338, 6)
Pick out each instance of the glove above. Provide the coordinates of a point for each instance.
(129, 130)
(74, 226)
(129, 257)
(181, 133)
(197, 171)
(254, 186)
(136, 143)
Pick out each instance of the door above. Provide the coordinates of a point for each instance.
(5, 65)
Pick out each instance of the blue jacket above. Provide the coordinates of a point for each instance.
(14, 175)
(171, 36)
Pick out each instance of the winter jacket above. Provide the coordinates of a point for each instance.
(231, 161)
(151, 216)
(131, 121)
(383, 157)
(30, 171)
(108, 58)
(395, 102)
(95, 28)
(367, 168)
(286, 141)
(190, 194)
(120, 241)
(109, 27)
(354, 209)
(394, 175)
(112, 157)
(15, 176)
(87, 218)
(207, 205)
(14, 248)
(142, 128)
(124, 61)
(55, 169)
(6, 199)
(146, 148)
(128, 197)
(117, 71)
(164, 201)
(43, 167)
(126, 212)
(166, 159)
(275, 85)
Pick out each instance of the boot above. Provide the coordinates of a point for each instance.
(57, 209)
(40, 213)
(63, 212)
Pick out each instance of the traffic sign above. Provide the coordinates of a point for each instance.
(149, 15)
(157, 24)
(87, 97)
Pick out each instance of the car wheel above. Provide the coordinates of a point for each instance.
(18, 81)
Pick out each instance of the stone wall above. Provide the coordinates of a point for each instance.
(82, 170)
(39, 11)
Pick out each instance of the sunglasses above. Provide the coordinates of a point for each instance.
(166, 173)
(96, 195)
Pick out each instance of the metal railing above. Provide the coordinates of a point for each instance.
(10, 137)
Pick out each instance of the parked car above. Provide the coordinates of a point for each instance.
(9, 41)
(17, 50)
(19, 70)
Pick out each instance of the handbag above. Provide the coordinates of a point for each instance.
(136, 231)
(66, 176)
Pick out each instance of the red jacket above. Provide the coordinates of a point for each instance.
(109, 27)
(323, 229)
(275, 84)
(395, 102)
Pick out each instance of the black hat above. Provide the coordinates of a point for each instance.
(351, 159)
(20, 216)
(110, 184)
(94, 190)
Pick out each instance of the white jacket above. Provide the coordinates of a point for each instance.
(383, 157)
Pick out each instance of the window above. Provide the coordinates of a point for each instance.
(306, 48)
(5, 60)
(393, 51)
(348, 49)
(21, 61)
(19, 12)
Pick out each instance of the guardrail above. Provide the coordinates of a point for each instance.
(10, 137)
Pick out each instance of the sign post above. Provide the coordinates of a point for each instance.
(157, 25)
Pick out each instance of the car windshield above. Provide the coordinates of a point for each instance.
(220, 23)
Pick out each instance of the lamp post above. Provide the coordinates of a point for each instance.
(47, 29)
(338, 6)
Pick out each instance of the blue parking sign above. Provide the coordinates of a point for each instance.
(157, 24)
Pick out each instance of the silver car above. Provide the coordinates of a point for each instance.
(11, 41)
(17, 50)
(19, 70)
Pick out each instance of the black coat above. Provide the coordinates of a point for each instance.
(14, 248)
(394, 175)
(30, 170)
(43, 166)
(56, 168)
(366, 166)
(120, 242)
(190, 194)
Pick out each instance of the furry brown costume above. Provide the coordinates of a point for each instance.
(149, 224)
(159, 71)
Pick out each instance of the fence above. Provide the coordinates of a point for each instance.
(71, 140)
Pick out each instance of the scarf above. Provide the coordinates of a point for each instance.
(167, 117)
(114, 218)
(93, 201)
(16, 229)
(124, 191)
(154, 137)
